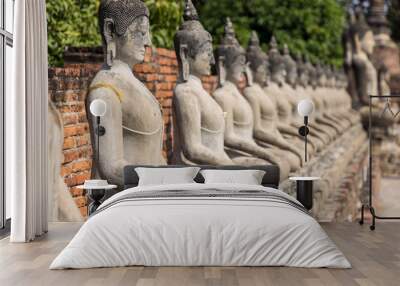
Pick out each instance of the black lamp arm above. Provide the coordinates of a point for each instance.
(100, 130)
(304, 131)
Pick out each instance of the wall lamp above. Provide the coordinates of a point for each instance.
(98, 109)
(305, 108)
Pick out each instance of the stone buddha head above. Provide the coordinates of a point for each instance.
(193, 45)
(362, 33)
(257, 60)
(341, 79)
(311, 71)
(290, 66)
(338, 79)
(344, 79)
(302, 71)
(330, 76)
(320, 74)
(231, 56)
(276, 63)
(124, 27)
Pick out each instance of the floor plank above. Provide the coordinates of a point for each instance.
(375, 257)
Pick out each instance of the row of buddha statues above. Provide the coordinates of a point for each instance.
(251, 125)
(368, 77)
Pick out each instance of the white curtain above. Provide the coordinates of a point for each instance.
(26, 129)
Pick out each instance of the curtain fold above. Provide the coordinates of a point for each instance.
(26, 119)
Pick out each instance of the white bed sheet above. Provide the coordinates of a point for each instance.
(200, 232)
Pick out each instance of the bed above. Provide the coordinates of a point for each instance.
(198, 224)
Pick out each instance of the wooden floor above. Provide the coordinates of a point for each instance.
(375, 257)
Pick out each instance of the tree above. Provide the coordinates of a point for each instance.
(71, 23)
(311, 27)
(165, 18)
(74, 23)
(394, 19)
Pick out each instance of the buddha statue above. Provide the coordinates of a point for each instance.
(324, 93)
(322, 127)
(290, 82)
(367, 79)
(311, 87)
(383, 80)
(273, 88)
(345, 102)
(318, 121)
(363, 44)
(133, 120)
(239, 121)
(333, 102)
(286, 95)
(61, 204)
(386, 119)
(289, 89)
(198, 119)
(265, 115)
(284, 102)
(329, 117)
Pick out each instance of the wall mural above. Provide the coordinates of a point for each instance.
(246, 115)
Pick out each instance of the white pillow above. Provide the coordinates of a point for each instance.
(166, 176)
(247, 177)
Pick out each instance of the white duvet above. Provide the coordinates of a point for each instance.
(202, 231)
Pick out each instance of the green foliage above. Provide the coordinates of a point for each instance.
(165, 18)
(74, 23)
(394, 19)
(71, 23)
(312, 27)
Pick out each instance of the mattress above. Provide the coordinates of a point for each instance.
(201, 225)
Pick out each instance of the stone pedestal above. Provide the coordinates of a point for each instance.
(341, 167)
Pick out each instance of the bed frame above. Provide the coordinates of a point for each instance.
(271, 177)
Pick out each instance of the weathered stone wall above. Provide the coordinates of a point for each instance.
(337, 194)
(68, 90)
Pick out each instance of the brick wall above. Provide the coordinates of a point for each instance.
(68, 89)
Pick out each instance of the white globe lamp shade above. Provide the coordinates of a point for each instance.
(98, 107)
(305, 107)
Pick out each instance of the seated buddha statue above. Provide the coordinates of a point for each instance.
(321, 120)
(198, 119)
(274, 87)
(290, 82)
(345, 103)
(363, 44)
(333, 102)
(282, 95)
(289, 87)
(133, 120)
(239, 122)
(366, 75)
(327, 116)
(62, 206)
(265, 116)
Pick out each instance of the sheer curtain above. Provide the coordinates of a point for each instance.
(26, 118)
